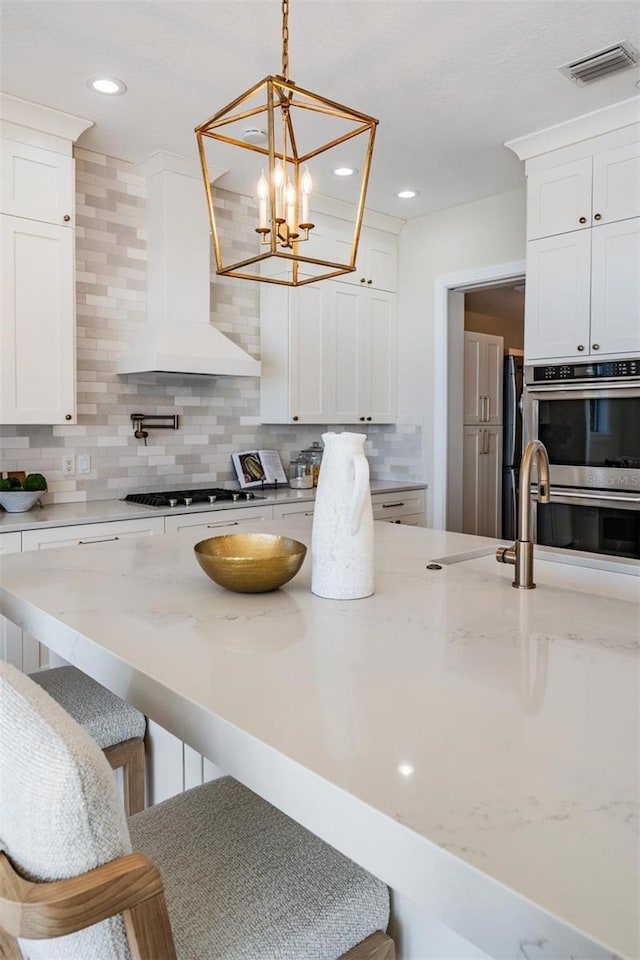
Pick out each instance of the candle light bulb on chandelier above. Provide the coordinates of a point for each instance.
(263, 192)
(278, 178)
(306, 185)
(291, 207)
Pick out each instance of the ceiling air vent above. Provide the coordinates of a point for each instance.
(601, 63)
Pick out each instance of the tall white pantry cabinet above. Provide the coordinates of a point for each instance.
(37, 258)
(482, 435)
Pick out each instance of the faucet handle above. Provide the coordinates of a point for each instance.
(506, 554)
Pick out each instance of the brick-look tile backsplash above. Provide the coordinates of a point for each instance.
(218, 415)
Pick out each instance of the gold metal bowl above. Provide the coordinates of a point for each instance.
(250, 562)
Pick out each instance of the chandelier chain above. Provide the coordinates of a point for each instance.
(285, 39)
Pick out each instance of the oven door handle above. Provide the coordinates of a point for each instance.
(565, 495)
(592, 386)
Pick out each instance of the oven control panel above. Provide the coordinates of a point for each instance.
(608, 370)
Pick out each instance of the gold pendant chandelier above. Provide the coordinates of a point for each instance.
(304, 131)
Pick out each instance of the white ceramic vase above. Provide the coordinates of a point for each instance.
(342, 538)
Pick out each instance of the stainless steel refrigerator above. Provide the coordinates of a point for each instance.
(511, 443)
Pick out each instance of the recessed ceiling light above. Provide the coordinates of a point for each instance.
(345, 171)
(109, 85)
(408, 194)
(406, 769)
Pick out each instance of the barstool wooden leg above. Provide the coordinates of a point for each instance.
(130, 756)
(376, 947)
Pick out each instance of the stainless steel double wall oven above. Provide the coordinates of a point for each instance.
(588, 417)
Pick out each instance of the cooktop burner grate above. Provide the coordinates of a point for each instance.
(175, 498)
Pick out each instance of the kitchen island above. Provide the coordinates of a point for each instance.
(476, 747)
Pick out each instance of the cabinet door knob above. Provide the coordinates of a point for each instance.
(583, 219)
(595, 346)
(296, 418)
(68, 416)
(369, 418)
(598, 216)
(580, 347)
(369, 281)
(362, 280)
(66, 218)
(362, 418)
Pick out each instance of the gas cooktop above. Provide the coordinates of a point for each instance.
(184, 498)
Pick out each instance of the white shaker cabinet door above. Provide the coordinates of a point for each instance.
(615, 291)
(559, 199)
(483, 371)
(472, 459)
(490, 524)
(557, 304)
(346, 309)
(378, 358)
(307, 354)
(616, 184)
(376, 260)
(37, 335)
(36, 183)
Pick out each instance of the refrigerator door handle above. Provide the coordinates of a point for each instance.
(488, 413)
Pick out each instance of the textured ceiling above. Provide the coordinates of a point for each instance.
(449, 80)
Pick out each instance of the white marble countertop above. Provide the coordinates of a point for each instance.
(476, 747)
(101, 511)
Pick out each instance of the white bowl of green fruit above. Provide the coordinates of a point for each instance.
(19, 495)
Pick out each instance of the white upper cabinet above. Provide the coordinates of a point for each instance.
(37, 335)
(37, 259)
(585, 192)
(377, 259)
(615, 288)
(328, 354)
(559, 200)
(293, 349)
(328, 349)
(583, 257)
(483, 369)
(558, 296)
(36, 183)
(362, 362)
(616, 184)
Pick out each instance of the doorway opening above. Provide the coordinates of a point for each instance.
(493, 300)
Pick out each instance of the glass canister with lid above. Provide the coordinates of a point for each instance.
(313, 456)
(300, 474)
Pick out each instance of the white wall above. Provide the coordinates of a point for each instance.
(476, 234)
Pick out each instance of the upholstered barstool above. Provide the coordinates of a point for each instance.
(116, 726)
(219, 874)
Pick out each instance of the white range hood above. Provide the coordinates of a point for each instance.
(178, 336)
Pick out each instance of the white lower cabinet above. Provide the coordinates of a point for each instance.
(84, 534)
(408, 507)
(286, 510)
(482, 470)
(10, 634)
(204, 523)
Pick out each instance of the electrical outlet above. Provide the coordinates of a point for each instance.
(84, 464)
(68, 466)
